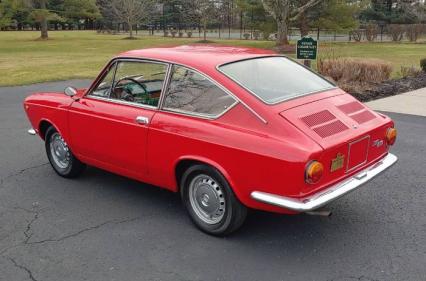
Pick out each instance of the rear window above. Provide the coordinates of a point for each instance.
(275, 79)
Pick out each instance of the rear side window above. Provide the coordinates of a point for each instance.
(275, 79)
(193, 93)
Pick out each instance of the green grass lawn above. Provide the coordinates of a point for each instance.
(81, 54)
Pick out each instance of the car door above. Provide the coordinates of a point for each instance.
(186, 125)
(109, 125)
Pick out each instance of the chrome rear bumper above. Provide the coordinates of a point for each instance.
(330, 194)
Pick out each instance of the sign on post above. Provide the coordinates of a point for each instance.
(307, 49)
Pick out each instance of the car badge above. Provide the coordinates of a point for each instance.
(378, 143)
(337, 163)
(355, 126)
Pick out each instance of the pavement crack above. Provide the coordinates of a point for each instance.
(27, 232)
(71, 235)
(22, 267)
(362, 278)
(19, 172)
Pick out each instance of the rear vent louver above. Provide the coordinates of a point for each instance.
(363, 116)
(324, 123)
(357, 112)
(351, 107)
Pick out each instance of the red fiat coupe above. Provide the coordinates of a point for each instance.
(229, 128)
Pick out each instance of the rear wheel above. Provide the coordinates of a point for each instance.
(210, 201)
(60, 156)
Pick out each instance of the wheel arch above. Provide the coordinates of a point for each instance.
(44, 125)
(183, 163)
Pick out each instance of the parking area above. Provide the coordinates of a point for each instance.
(105, 227)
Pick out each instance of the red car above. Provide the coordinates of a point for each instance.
(229, 128)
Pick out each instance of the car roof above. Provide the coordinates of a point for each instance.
(203, 57)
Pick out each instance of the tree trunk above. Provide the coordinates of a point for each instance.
(304, 26)
(43, 23)
(282, 34)
(43, 28)
(130, 29)
(205, 30)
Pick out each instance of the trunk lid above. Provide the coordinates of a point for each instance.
(351, 134)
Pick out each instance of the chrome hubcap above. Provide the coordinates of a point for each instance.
(207, 199)
(59, 151)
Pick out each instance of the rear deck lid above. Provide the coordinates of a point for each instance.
(333, 120)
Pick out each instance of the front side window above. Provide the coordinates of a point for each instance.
(104, 87)
(275, 79)
(191, 92)
(139, 82)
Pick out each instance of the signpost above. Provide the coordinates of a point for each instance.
(307, 49)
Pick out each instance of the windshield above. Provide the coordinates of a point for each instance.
(275, 79)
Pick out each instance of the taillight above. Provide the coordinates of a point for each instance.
(391, 134)
(314, 172)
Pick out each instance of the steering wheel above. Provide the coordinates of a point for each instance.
(128, 96)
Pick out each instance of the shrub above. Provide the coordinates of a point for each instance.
(189, 34)
(423, 64)
(409, 71)
(413, 31)
(357, 34)
(246, 36)
(267, 28)
(396, 31)
(256, 35)
(173, 33)
(371, 32)
(180, 34)
(344, 70)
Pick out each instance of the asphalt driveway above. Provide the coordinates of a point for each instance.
(106, 227)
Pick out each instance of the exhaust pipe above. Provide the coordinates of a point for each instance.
(321, 213)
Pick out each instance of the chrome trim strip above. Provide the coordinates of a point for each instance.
(32, 132)
(165, 85)
(145, 106)
(330, 194)
(254, 112)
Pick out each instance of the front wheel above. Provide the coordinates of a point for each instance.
(210, 201)
(60, 156)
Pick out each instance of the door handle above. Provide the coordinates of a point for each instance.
(142, 120)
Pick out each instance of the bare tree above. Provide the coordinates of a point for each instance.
(284, 11)
(132, 12)
(206, 11)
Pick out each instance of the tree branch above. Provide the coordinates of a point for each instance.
(297, 12)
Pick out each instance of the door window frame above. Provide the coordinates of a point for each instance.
(112, 66)
(167, 79)
(196, 114)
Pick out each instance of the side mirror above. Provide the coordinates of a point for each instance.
(70, 91)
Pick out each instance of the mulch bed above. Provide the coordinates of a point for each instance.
(390, 88)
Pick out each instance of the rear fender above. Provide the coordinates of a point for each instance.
(209, 162)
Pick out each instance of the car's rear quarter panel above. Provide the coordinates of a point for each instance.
(238, 145)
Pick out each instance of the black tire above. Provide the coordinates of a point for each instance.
(73, 168)
(234, 213)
